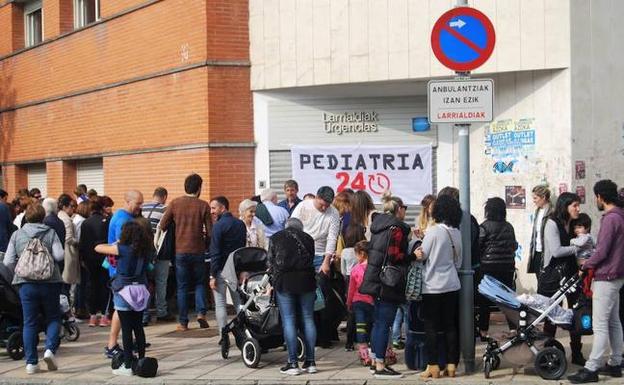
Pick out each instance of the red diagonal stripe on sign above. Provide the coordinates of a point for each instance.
(463, 39)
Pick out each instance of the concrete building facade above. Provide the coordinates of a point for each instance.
(556, 71)
(128, 94)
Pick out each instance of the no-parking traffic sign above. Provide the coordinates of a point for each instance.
(463, 39)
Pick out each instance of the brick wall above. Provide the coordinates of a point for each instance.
(11, 28)
(15, 177)
(227, 24)
(58, 16)
(229, 104)
(164, 111)
(61, 177)
(111, 7)
(165, 35)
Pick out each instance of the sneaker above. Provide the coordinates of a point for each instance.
(93, 321)
(32, 368)
(583, 376)
(112, 352)
(611, 371)
(349, 348)
(181, 328)
(203, 324)
(309, 367)
(166, 318)
(387, 373)
(291, 369)
(123, 371)
(105, 321)
(50, 360)
(372, 368)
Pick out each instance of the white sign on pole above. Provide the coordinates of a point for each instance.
(404, 170)
(460, 101)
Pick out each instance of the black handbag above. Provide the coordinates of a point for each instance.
(271, 323)
(390, 275)
(146, 367)
(550, 277)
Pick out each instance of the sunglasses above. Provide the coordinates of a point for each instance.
(404, 207)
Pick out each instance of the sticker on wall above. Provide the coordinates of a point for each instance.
(579, 168)
(510, 143)
(563, 187)
(580, 191)
(515, 197)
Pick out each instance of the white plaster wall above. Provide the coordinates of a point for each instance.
(317, 42)
(597, 89)
(543, 96)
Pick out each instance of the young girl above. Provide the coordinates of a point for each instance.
(361, 305)
(131, 297)
(348, 260)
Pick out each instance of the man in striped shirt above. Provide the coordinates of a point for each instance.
(154, 211)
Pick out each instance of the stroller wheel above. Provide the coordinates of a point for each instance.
(251, 352)
(15, 346)
(72, 332)
(550, 363)
(553, 343)
(225, 346)
(301, 350)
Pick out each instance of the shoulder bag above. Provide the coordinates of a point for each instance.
(390, 275)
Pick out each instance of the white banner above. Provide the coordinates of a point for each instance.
(404, 170)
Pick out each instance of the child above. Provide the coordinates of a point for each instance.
(584, 240)
(348, 260)
(133, 254)
(359, 304)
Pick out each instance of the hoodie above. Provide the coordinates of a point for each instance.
(19, 241)
(608, 258)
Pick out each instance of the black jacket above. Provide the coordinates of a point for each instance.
(291, 261)
(94, 231)
(497, 246)
(381, 227)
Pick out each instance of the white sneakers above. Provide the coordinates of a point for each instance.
(32, 368)
(48, 358)
(123, 371)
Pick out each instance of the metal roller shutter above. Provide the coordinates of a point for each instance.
(280, 169)
(37, 177)
(91, 173)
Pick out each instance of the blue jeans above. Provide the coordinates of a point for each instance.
(383, 317)
(399, 320)
(363, 320)
(318, 261)
(190, 269)
(292, 307)
(36, 297)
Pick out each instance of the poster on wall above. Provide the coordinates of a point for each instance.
(404, 170)
(515, 197)
(580, 191)
(510, 143)
(579, 167)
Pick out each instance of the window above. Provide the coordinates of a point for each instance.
(33, 23)
(86, 12)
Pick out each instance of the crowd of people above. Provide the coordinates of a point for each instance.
(332, 257)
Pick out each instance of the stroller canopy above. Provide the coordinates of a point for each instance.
(250, 259)
(497, 292)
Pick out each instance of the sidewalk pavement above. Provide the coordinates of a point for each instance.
(194, 357)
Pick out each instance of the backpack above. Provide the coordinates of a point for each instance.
(35, 262)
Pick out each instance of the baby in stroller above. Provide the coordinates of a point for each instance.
(529, 344)
(256, 326)
(11, 318)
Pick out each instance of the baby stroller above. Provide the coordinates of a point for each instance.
(257, 325)
(11, 318)
(529, 344)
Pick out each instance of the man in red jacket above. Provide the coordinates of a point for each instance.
(608, 265)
